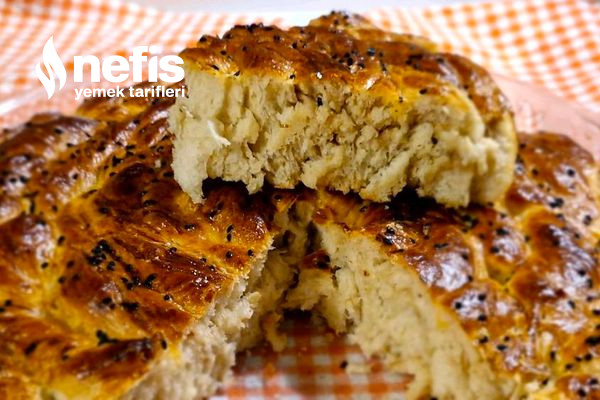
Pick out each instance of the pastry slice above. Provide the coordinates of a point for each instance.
(479, 303)
(342, 105)
(113, 284)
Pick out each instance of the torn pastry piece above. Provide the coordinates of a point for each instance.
(476, 303)
(342, 105)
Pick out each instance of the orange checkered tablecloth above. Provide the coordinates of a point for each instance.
(550, 43)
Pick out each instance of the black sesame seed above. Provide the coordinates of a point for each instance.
(61, 240)
(215, 67)
(458, 305)
(229, 254)
(557, 202)
(250, 253)
(31, 348)
(189, 227)
(44, 265)
(482, 318)
(319, 101)
(423, 91)
(167, 297)
(110, 266)
(149, 281)
(130, 306)
(483, 340)
(502, 232)
(103, 338)
(494, 250)
(163, 344)
(592, 340)
(501, 347)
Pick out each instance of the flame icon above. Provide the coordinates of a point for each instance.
(54, 67)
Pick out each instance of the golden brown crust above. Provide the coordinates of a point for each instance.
(346, 48)
(104, 262)
(522, 277)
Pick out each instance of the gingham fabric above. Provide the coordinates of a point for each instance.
(550, 43)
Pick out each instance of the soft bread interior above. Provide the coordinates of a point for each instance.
(255, 129)
(386, 310)
(203, 360)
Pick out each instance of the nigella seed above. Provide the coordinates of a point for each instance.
(250, 253)
(149, 281)
(592, 340)
(31, 348)
(167, 297)
(130, 306)
(215, 67)
(319, 101)
(423, 91)
(387, 240)
(110, 266)
(501, 347)
(229, 254)
(502, 232)
(189, 227)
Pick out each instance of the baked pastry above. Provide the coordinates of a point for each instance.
(480, 303)
(113, 284)
(340, 104)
